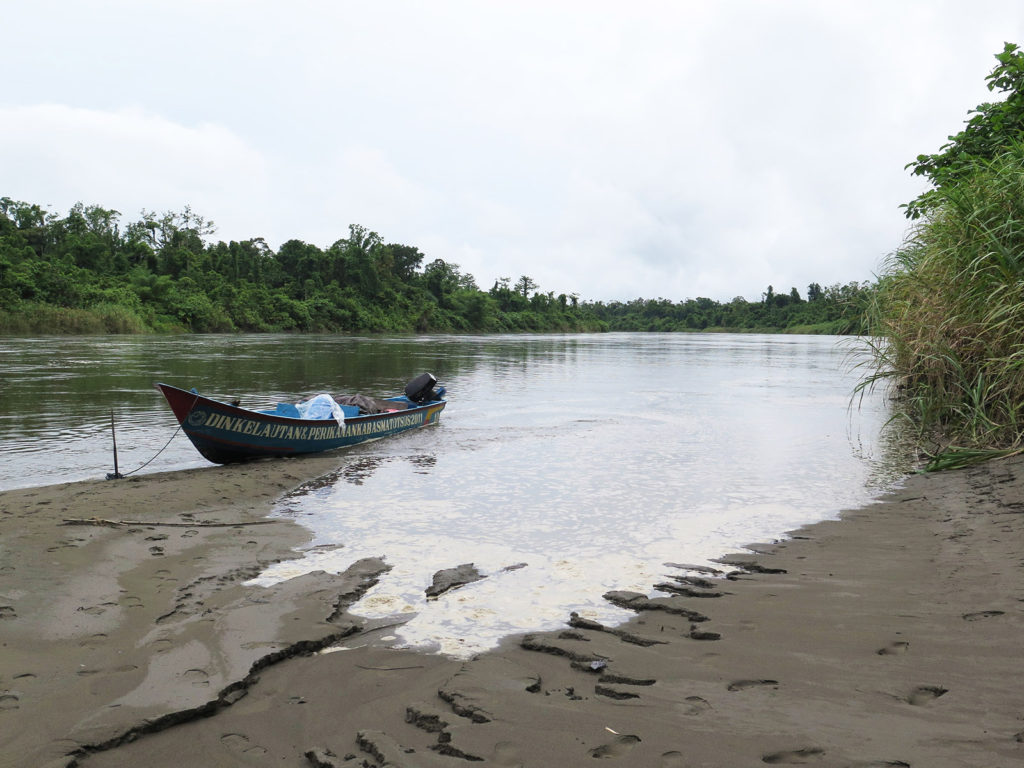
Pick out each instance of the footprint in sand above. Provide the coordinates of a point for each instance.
(7, 612)
(620, 746)
(742, 685)
(881, 764)
(239, 742)
(9, 701)
(506, 754)
(896, 648)
(695, 706)
(94, 641)
(87, 671)
(794, 757)
(672, 760)
(981, 615)
(198, 678)
(163, 575)
(925, 694)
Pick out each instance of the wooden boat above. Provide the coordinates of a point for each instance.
(225, 433)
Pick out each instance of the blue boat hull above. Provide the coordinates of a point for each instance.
(225, 433)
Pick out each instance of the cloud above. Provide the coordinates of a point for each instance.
(129, 159)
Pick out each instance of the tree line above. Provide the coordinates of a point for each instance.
(86, 272)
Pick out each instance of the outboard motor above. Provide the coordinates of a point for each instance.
(421, 389)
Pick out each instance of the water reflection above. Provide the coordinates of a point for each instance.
(356, 471)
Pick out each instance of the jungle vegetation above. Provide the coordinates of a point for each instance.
(86, 272)
(947, 317)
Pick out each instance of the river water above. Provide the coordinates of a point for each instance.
(563, 466)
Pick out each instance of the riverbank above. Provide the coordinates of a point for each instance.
(889, 637)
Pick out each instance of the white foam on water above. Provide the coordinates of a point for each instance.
(678, 450)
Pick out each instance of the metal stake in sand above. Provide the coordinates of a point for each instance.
(115, 475)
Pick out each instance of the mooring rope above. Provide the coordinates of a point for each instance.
(115, 475)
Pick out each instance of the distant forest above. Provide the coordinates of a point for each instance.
(86, 273)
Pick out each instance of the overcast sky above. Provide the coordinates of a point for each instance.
(612, 149)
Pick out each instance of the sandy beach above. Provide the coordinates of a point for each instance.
(891, 637)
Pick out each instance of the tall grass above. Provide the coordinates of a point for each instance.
(48, 319)
(947, 320)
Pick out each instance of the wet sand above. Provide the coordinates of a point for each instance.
(891, 637)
